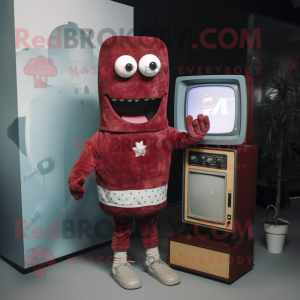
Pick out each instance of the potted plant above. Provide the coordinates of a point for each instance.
(279, 112)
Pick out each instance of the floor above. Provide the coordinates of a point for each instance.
(274, 276)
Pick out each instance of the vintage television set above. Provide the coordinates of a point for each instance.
(226, 99)
(220, 175)
(219, 180)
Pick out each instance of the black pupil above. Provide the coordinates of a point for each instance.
(129, 67)
(153, 65)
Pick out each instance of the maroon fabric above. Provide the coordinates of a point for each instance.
(85, 164)
(116, 166)
(123, 219)
(137, 86)
(135, 212)
(109, 151)
(148, 229)
(122, 232)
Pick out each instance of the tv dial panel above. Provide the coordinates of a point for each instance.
(208, 160)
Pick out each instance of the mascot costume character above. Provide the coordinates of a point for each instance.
(131, 152)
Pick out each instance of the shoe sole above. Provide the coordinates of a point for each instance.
(158, 279)
(124, 287)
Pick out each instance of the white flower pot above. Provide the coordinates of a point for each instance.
(275, 236)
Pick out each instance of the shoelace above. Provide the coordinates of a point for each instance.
(158, 260)
(127, 263)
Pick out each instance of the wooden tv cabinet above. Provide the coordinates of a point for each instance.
(211, 257)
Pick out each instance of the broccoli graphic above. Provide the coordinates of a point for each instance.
(40, 68)
(39, 258)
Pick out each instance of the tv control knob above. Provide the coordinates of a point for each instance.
(219, 162)
(193, 158)
(228, 222)
(209, 160)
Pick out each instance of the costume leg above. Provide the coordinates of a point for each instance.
(123, 273)
(154, 265)
(148, 228)
(122, 232)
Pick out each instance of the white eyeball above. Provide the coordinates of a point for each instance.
(125, 66)
(149, 65)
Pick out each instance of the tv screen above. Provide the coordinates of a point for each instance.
(225, 99)
(217, 102)
(207, 196)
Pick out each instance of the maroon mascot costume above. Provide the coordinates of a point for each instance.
(131, 152)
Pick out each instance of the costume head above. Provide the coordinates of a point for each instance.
(133, 84)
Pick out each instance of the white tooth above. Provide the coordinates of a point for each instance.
(146, 99)
(129, 100)
(153, 98)
(121, 100)
(136, 100)
(114, 99)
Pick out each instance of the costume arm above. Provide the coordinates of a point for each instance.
(197, 129)
(85, 164)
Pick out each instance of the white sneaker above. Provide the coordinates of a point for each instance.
(162, 272)
(125, 276)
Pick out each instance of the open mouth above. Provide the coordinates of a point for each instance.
(135, 110)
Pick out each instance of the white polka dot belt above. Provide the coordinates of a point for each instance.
(133, 198)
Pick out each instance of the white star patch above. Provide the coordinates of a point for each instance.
(139, 149)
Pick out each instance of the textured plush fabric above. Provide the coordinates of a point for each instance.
(123, 219)
(117, 168)
(137, 86)
(110, 150)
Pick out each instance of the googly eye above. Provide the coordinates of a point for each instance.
(125, 66)
(149, 65)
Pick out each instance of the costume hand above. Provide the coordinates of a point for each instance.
(76, 188)
(197, 128)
